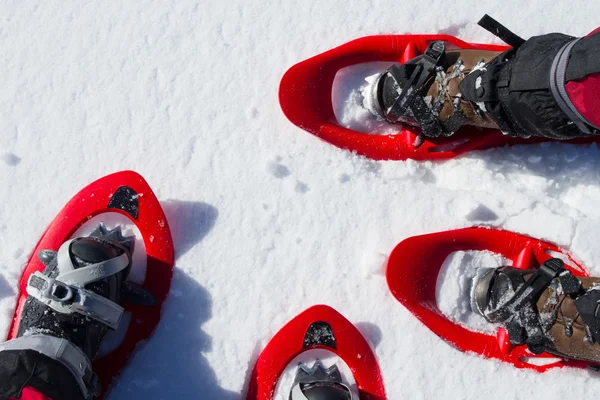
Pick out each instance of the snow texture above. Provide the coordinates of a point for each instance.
(456, 283)
(267, 219)
(352, 99)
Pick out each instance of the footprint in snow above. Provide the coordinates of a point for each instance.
(10, 159)
(483, 214)
(278, 170)
(301, 187)
(343, 178)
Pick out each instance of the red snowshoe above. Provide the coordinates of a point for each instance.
(319, 327)
(441, 122)
(121, 203)
(412, 275)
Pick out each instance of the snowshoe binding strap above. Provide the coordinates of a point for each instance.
(410, 80)
(519, 313)
(64, 352)
(571, 286)
(66, 293)
(529, 291)
(497, 29)
(68, 299)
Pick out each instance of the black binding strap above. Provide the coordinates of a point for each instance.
(519, 313)
(427, 121)
(413, 78)
(454, 122)
(530, 291)
(571, 286)
(404, 100)
(422, 72)
(413, 99)
(496, 28)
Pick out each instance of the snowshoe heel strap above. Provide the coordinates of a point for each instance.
(497, 29)
(63, 351)
(588, 307)
(69, 299)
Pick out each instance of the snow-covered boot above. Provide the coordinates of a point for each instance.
(425, 91)
(547, 309)
(75, 301)
(318, 383)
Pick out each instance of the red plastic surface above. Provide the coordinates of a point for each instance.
(29, 393)
(288, 343)
(412, 272)
(305, 98)
(152, 223)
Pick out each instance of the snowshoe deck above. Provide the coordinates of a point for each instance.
(305, 95)
(126, 193)
(412, 270)
(319, 327)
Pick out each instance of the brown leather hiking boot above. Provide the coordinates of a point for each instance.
(547, 309)
(569, 335)
(445, 94)
(425, 91)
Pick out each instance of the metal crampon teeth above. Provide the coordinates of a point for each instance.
(113, 235)
(319, 373)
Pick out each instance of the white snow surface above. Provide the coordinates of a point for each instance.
(267, 219)
(456, 283)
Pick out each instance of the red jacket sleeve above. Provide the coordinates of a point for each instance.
(585, 94)
(29, 393)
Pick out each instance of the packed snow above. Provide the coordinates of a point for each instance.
(268, 220)
(456, 283)
(352, 102)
